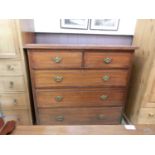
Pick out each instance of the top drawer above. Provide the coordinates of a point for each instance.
(47, 59)
(107, 59)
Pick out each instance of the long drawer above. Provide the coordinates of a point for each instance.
(12, 83)
(80, 98)
(46, 59)
(107, 59)
(10, 101)
(80, 116)
(80, 78)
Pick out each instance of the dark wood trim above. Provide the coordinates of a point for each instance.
(33, 89)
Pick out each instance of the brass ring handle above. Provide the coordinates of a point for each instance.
(59, 98)
(58, 78)
(100, 117)
(107, 60)
(57, 59)
(103, 97)
(105, 78)
(59, 118)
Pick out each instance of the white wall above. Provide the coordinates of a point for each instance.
(126, 27)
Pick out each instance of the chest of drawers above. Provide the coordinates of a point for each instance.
(79, 84)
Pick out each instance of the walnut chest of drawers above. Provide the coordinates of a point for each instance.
(79, 84)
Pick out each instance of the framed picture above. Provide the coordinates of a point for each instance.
(74, 23)
(104, 24)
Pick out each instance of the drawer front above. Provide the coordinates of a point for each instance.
(22, 117)
(10, 67)
(14, 83)
(147, 116)
(80, 78)
(47, 59)
(80, 98)
(80, 116)
(107, 60)
(13, 101)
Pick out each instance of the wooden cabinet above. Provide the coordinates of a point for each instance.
(9, 45)
(14, 95)
(140, 108)
(81, 84)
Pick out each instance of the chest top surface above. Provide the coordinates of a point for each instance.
(80, 46)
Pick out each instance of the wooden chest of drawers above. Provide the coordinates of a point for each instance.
(79, 84)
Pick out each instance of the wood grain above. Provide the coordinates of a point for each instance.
(14, 83)
(22, 117)
(84, 130)
(14, 93)
(44, 59)
(12, 101)
(79, 87)
(8, 39)
(146, 116)
(118, 60)
(8, 67)
(143, 75)
(79, 116)
(80, 97)
(79, 46)
(80, 78)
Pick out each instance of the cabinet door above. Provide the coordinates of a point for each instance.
(8, 39)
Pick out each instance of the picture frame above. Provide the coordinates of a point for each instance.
(74, 23)
(104, 24)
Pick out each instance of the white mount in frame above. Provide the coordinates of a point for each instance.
(74, 23)
(104, 24)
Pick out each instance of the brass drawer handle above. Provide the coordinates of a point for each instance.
(11, 83)
(107, 60)
(57, 59)
(10, 67)
(103, 97)
(58, 78)
(151, 114)
(100, 117)
(14, 101)
(59, 118)
(105, 78)
(59, 98)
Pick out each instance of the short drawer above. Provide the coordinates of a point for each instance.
(80, 78)
(8, 67)
(46, 59)
(13, 101)
(146, 116)
(80, 98)
(80, 116)
(14, 83)
(22, 117)
(107, 59)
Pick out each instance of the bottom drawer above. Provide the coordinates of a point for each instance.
(80, 116)
(22, 117)
(147, 116)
